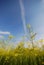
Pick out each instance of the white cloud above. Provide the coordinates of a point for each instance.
(23, 15)
(4, 32)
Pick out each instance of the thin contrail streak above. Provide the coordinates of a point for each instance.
(23, 15)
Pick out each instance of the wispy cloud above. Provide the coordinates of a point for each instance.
(23, 15)
(5, 32)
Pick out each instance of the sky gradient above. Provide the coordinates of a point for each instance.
(11, 19)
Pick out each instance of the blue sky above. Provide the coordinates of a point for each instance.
(11, 20)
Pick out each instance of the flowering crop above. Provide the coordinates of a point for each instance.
(21, 56)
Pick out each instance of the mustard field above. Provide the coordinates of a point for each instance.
(21, 56)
